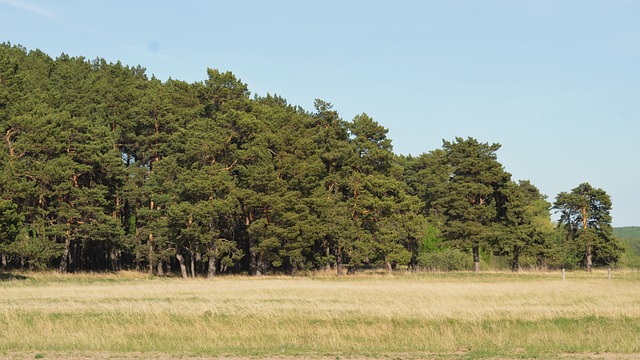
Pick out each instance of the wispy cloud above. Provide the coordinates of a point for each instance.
(24, 5)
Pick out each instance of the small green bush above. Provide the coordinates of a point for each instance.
(446, 260)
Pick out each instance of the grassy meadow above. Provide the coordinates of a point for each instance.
(430, 315)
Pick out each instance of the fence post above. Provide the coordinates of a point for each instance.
(609, 273)
(563, 275)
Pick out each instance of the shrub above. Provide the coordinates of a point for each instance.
(446, 260)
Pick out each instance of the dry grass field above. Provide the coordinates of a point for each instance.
(433, 315)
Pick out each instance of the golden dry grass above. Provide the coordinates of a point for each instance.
(406, 316)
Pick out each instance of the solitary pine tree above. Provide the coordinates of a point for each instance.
(585, 214)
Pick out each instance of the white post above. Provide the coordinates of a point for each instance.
(563, 275)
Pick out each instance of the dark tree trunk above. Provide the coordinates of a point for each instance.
(199, 264)
(151, 257)
(293, 267)
(584, 229)
(64, 263)
(115, 260)
(339, 261)
(193, 264)
(328, 253)
(476, 258)
(515, 265)
(253, 263)
(74, 262)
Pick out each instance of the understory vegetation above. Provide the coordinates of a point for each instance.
(105, 169)
(463, 315)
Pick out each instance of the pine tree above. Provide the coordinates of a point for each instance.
(524, 222)
(585, 216)
(386, 213)
(468, 205)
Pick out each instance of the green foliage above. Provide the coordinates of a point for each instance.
(34, 250)
(586, 220)
(469, 199)
(630, 239)
(10, 223)
(432, 240)
(446, 260)
(106, 169)
(524, 225)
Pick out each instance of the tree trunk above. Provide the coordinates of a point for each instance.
(588, 237)
(328, 252)
(515, 266)
(73, 256)
(113, 260)
(7, 137)
(253, 263)
(476, 258)
(199, 265)
(211, 271)
(589, 260)
(160, 268)
(542, 262)
(150, 243)
(387, 265)
(64, 263)
(192, 263)
(151, 253)
(183, 267)
(260, 268)
(4, 261)
(115, 209)
(339, 261)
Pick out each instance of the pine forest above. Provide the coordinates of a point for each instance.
(105, 168)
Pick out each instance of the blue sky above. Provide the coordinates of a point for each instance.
(557, 83)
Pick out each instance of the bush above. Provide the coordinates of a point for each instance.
(36, 252)
(446, 260)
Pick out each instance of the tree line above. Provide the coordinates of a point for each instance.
(105, 168)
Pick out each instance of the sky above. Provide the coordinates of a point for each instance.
(556, 83)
